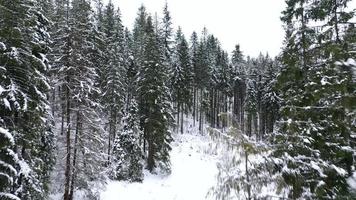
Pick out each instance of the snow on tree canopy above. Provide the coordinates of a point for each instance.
(7, 135)
(2, 47)
(8, 196)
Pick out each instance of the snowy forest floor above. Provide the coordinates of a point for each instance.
(193, 173)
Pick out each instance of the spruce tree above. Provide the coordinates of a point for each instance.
(313, 142)
(138, 37)
(182, 77)
(239, 84)
(113, 88)
(167, 32)
(193, 51)
(24, 107)
(156, 116)
(127, 152)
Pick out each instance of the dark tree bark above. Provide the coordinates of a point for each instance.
(201, 111)
(181, 122)
(75, 147)
(150, 158)
(194, 104)
(68, 147)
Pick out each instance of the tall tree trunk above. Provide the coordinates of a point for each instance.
(113, 134)
(145, 137)
(194, 105)
(178, 114)
(255, 124)
(63, 110)
(226, 109)
(68, 99)
(54, 101)
(217, 108)
(262, 122)
(75, 147)
(249, 124)
(181, 122)
(247, 177)
(212, 109)
(242, 109)
(150, 157)
(68, 147)
(200, 110)
(110, 134)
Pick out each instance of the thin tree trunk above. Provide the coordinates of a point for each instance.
(181, 123)
(242, 108)
(67, 170)
(194, 104)
(178, 114)
(114, 127)
(77, 130)
(110, 135)
(68, 147)
(54, 101)
(200, 110)
(212, 109)
(144, 141)
(255, 124)
(259, 112)
(247, 177)
(249, 124)
(217, 108)
(63, 111)
(197, 111)
(150, 158)
(262, 122)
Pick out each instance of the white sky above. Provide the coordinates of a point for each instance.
(254, 24)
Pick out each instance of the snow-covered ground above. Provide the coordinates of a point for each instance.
(193, 174)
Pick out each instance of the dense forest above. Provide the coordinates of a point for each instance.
(83, 99)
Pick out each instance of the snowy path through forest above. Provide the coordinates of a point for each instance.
(193, 174)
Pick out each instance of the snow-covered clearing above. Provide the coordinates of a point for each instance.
(193, 174)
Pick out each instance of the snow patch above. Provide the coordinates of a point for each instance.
(193, 174)
(352, 181)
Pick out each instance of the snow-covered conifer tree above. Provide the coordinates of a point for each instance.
(127, 152)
